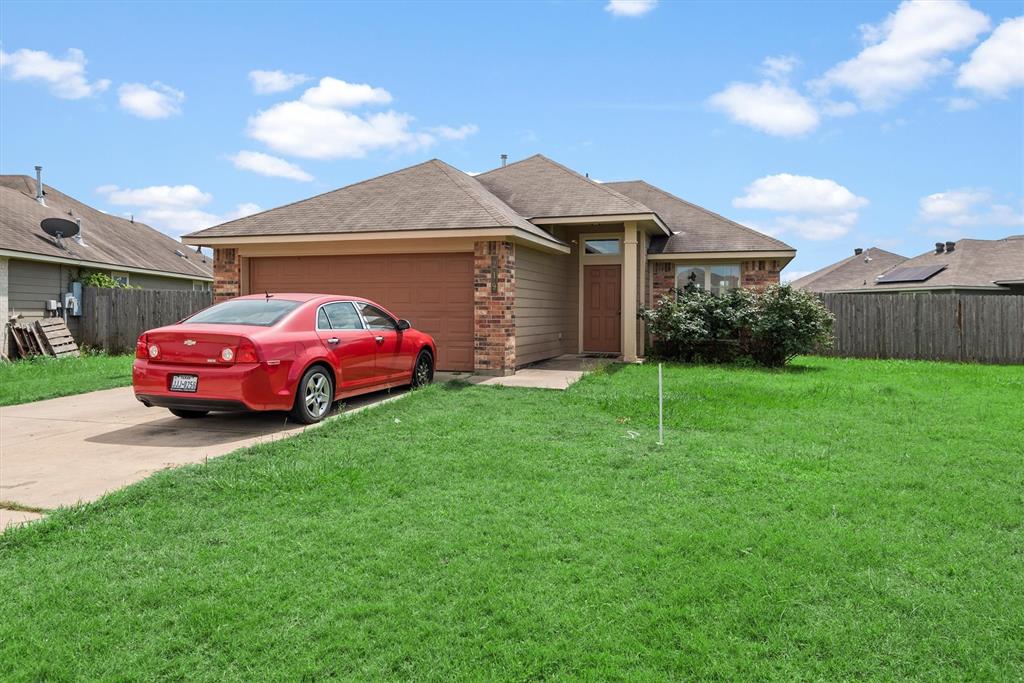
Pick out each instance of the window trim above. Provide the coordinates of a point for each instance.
(594, 238)
(316, 318)
(116, 274)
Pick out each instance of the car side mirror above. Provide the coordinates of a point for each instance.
(403, 324)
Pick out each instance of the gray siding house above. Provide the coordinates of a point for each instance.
(36, 270)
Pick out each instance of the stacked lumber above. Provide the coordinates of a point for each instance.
(48, 337)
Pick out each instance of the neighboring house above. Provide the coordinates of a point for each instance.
(36, 270)
(859, 270)
(968, 265)
(526, 262)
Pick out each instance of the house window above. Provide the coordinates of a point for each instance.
(717, 278)
(602, 247)
(200, 286)
(120, 278)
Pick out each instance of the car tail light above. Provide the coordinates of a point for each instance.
(154, 351)
(246, 352)
(142, 347)
(227, 355)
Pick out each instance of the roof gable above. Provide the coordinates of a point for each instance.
(109, 240)
(427, 196)
(858, 270)
(538, 187)
(696, 229)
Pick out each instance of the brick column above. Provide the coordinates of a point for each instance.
(760, 273)
(227, 274)
(494, 299)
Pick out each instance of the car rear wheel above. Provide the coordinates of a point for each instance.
(423, 371)
(314, 396)
(188, 414)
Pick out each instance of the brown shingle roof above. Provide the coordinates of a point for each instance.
(428, 196)
(538, 187)
(696, 229)
(110, 240)
(850, 273)
(972, 263)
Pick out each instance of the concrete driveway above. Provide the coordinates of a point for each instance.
(76, 448)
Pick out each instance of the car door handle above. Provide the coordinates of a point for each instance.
(333, 340)
(380, 339)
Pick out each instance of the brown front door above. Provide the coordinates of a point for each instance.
(602, 308)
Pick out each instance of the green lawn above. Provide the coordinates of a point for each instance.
(44, 377)
(839, 520)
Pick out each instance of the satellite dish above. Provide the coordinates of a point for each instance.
(59, 227)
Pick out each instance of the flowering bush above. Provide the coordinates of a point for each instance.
(769, 327)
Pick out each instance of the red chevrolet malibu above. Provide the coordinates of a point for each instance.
(295, 352)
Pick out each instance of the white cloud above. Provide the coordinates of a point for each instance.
(335, 93)
(967, 207)
(460, 133)
(816, 208)
(778, 68)
(174, 209)
(269, 82)
(905, 51)
(787, 192)
(630, 8)
(997, 65)
(838, 109)
(770, 107)
(156, 101)
(818, 227)
(65, 77)
(270, 166)
(790, 275)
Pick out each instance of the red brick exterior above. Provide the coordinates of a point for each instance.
(663, 278)
(494, 299)
(760, 273)
(227, 274)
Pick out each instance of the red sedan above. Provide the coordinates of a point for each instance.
(295, 352)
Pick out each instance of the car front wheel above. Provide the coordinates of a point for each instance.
(314, 396)
(423, 371)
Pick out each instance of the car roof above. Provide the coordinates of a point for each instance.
(304, 296)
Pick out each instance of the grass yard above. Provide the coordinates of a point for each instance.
(43, 377)
(842, 519)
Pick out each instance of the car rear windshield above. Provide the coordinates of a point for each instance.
(262, 312)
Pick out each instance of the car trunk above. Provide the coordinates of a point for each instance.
(195, 344)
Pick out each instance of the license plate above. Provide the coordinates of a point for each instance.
(187, 383)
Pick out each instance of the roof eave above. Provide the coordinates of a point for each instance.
(603, 218)
(46, 258)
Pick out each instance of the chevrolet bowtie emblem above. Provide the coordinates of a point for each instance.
(190, 342)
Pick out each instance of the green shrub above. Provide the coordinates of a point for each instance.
(102, 281)
(769, 327)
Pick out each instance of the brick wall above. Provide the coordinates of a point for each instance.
(494, 298)
(227, 274)
(663, 278)
(760, 273)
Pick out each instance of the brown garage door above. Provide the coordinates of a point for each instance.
(434, 291)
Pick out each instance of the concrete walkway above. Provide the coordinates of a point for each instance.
(76, 448)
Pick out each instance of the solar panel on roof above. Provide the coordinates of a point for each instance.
(914, 274)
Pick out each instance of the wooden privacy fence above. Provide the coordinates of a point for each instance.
(112, 319)
(981, 328)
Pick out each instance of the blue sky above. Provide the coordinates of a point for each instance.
(833, 125)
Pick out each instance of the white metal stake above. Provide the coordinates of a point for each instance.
(661, 411)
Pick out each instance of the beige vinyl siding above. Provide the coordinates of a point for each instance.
(545, 306)
(32, 283)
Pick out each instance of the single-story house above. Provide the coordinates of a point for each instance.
(967, 265)
(525, 262)
(859, 270)
(37, 270)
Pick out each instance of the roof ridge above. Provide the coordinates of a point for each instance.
(457, 181)
(601, 186)
(499, 168)
(707, 211)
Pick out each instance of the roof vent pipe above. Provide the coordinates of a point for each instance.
(939, 247)
(858, 251)
(504, 160)
(950, 246)
(79, 237)
(39, 185)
